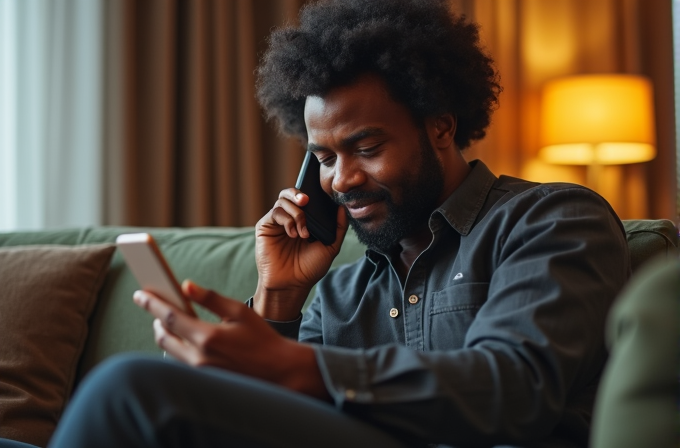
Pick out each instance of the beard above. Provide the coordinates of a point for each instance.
(419, 199)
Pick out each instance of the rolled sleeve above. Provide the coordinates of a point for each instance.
(345, 374)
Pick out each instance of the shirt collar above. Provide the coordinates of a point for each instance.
(460, 209)
(463, 206)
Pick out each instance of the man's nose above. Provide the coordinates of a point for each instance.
(347, 175)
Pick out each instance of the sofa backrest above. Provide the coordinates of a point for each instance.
(223, 259)
(648, 238)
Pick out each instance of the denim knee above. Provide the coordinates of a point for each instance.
(129, 372)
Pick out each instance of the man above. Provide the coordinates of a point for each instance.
(476, 317)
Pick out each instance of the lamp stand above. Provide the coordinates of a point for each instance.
(593, 176)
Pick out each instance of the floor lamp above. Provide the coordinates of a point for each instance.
(597, 120)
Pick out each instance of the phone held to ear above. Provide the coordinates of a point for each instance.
(321, 211)
(142, 255)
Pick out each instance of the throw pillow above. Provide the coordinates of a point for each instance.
(46, 296)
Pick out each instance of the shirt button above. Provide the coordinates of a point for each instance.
(394, 312)
(413, 299)
(350, 394)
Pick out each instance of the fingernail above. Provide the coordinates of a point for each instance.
(299, 196)
(188, 286)
(192, 289)
(139, 297)
(305, 232)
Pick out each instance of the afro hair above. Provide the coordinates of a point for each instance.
(430, 59)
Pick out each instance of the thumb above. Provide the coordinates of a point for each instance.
(226, 308)
(343, 225)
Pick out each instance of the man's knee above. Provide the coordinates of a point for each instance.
(124, 376)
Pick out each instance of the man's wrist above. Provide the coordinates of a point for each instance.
(304, 374)
(278, 305)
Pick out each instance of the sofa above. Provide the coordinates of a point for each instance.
(72, 284)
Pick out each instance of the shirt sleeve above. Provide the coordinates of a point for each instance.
(532, 357)
(288, 329)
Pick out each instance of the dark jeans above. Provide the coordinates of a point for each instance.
(136, 401)
(4, 443)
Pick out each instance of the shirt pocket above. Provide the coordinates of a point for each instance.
(452, 311)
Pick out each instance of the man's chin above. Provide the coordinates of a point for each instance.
(373, 235)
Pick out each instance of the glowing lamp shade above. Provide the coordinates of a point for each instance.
(597, 119)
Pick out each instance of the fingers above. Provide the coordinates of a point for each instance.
(173, 345)
(342, 226)
(225, 308)
(172, 318)
(287, 212)
(294, 195)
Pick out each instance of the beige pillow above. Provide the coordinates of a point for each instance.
(46, 296)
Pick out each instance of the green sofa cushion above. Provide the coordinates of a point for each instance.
(636, 404)
(650, 237)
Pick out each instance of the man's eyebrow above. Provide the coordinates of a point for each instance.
(352, 139)
(360, 135)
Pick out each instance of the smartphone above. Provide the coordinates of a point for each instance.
(321, 211)
(142, 255)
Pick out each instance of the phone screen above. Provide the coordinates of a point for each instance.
(321, 211)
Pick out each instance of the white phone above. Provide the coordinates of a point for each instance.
(149, 267)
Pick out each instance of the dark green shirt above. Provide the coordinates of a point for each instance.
(496, 335)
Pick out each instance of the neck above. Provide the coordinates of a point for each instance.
(410, 248)
(456, 169)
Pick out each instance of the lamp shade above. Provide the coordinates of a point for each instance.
(597, 119)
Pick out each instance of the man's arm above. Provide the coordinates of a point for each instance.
(288, 265)
(243, 341)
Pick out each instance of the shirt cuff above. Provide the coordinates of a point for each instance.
(345, 374)
(289, 329)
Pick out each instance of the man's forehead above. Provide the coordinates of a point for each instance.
(365, 88)
(365, 99)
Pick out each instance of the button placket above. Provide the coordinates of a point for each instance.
(412, 308)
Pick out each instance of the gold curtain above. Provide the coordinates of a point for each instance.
(533, 41)
(186, 143)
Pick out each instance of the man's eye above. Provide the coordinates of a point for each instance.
(368, 149)
(327, 161)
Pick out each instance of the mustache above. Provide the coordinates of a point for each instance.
(343, 198)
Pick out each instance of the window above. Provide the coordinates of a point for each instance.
(51, 113)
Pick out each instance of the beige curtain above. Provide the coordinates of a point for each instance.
(187, 145)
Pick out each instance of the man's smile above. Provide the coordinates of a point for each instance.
(361, 204)
(362, 209)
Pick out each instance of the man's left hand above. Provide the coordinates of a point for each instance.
(241, 342)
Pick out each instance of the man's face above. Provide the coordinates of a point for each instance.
(375, 161)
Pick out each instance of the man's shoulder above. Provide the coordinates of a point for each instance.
(563, 192)
(519, 186)
(516, 205)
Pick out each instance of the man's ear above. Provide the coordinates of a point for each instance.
(442, 130)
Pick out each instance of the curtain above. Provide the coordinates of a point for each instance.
(51, 119)
(186, 143)
(533, 41)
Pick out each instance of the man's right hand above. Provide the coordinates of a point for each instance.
(288, 265)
